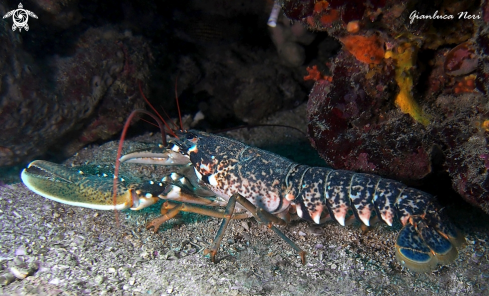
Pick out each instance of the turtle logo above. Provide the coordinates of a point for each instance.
(20, 17)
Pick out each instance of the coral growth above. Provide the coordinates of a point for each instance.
(404, 57)
(350, 123)
(365, 49)
(315, 74)
(322, 14)
(388, 113)
(467, 84)
(461, 60)
(290, 39)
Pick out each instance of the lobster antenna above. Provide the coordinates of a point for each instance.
(119, 150)
(169, 118)
(250, 126)
(178, 105)
(149, 122)
(153, 108)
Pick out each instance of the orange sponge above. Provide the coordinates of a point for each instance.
(365, 49)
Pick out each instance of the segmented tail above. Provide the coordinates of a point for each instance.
(427, 237)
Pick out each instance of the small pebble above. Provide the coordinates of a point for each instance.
(245, 225)
(6, 278)
(19, 272)
(144, 254)
(99, 279)
(20, 251)
(170, 255)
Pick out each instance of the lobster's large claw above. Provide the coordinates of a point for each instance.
(161, 156)
(72, 187)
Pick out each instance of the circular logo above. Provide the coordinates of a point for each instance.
(20, 17)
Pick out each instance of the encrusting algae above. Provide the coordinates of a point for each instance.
(405, 57)
(365, 49)
(370, 50)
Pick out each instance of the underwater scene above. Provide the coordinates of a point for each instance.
(247, 147)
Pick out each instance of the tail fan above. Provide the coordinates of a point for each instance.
(420, 245)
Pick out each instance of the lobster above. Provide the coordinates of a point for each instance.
(215, 171)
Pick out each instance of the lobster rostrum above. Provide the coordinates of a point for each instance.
(215, 171)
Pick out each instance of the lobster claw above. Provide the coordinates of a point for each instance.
(161, 156)
(73, 187)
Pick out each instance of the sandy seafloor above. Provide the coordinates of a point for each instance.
(76, 251)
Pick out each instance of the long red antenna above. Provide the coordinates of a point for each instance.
(153, 108)
(149, 122)
(169, 118)
(119, 150)
(178, 105)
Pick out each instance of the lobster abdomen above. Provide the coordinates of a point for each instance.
(427, 237)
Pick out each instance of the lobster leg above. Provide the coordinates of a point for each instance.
(220, 233)
(176, 193)
(156, 223)
(260, 215)
(265, 217)
(170, 210)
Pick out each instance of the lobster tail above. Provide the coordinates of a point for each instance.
(421, 247)
(427, 237)
(428, 240)
(413, 252)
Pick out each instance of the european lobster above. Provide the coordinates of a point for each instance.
(215, 171)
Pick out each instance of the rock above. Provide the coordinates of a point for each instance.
(400, 107)
(67, 101)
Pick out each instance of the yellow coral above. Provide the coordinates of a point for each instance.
(405, 57)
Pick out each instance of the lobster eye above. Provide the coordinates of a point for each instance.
(190, 136)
